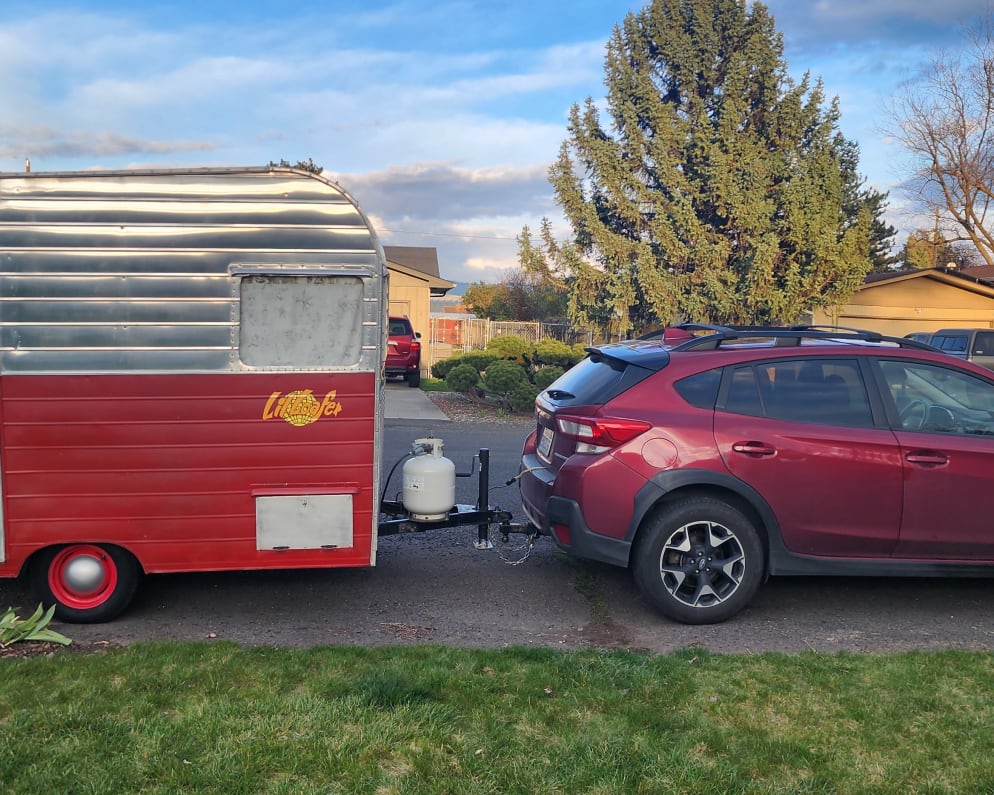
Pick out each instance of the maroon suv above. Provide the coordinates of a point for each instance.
(403, 351)
(709, 465)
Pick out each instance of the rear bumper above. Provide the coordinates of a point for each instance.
(583, 542)
(562, 519)
(401, 368)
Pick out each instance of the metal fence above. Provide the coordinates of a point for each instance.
(457, 334)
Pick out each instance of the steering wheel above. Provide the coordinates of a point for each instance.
(913, 415)
(942, 420)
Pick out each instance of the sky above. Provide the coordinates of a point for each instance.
(440, 118)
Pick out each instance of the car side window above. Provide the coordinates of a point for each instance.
(951, 344)
(935, 399)
(822, 391)
(700, 390)
(743, 393)
(983, 345)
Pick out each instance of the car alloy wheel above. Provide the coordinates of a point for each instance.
(699, 561)
(702, 564)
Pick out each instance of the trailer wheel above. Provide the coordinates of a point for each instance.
(87, 583)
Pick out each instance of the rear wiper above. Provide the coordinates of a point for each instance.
(559, 394)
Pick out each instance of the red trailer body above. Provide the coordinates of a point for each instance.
(190, 378)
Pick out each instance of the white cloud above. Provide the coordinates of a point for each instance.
(440, 117)
(442, 193)
(815, 26)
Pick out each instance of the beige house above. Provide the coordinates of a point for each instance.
(414, 280)
(922, 300)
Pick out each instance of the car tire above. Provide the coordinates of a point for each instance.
(87, 583)
(698, 561)
(414, 379)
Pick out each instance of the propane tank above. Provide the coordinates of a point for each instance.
(429, 482)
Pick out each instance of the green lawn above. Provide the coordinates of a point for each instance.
(218, 718)
(433, 385)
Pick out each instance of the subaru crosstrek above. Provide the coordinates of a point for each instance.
(709, 465)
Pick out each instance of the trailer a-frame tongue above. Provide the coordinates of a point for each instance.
(190, 378)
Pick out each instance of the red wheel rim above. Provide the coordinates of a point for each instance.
(82, 576)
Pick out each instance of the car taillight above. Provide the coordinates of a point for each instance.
(599, 434)
(415, 345)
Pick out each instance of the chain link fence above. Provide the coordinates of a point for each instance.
(455, 334)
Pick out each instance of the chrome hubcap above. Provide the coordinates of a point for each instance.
(84, 575)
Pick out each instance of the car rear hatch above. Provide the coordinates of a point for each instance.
(399, 343)
(570, 415)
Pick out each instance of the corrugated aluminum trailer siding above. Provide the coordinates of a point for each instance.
(120, 308)
(132, 271)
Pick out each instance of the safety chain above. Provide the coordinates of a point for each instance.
(500, 544)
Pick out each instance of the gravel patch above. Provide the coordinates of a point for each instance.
(463, 408)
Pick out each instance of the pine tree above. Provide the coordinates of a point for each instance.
(721, 190)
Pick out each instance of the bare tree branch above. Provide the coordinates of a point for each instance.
(946, 121)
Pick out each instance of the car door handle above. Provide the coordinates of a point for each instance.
(928, 458)
(753, 448)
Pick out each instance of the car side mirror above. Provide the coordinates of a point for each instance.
(417, 335)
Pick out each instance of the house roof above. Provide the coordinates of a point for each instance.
(421, 262)
(964, 279)
(983, 272)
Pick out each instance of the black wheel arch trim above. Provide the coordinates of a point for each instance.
(665, 483)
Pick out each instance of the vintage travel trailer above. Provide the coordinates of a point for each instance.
(190, 378)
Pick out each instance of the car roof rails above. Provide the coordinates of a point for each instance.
(786, 335)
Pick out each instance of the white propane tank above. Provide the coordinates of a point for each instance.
(429, 482)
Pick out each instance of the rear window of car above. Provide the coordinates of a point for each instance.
(595, 380)
(399, 328)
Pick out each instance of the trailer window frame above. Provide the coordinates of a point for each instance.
(282, 324)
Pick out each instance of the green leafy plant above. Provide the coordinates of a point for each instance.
(546, 376)
(444, 367)
(511, 347)
(502, 376)
(481, 360)
(553, 352)
(14, 629)
(523, 397)
(462, 378)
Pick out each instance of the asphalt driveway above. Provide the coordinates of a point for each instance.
(435, 587)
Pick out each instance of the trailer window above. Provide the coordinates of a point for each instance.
(300, 321)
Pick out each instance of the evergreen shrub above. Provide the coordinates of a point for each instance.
(523, 397)
(553, 352)
(481, 360)
(462, 378)
(442, 368)
(512, 347)
(503, 376)
(546, 375)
